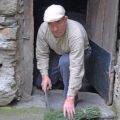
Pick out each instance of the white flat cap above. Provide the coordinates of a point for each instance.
(54, 13)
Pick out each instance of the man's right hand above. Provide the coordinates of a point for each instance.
(46, 83)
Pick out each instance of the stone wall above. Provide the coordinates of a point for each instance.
(117, 86)
(16, 50)
(8, 44)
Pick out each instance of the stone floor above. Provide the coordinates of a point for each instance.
(37, 105)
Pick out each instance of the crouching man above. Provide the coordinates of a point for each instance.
(66, 40)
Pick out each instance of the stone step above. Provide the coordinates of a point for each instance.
(56, 99)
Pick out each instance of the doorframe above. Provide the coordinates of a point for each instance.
(102, 19)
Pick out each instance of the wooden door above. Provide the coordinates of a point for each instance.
(102, 16)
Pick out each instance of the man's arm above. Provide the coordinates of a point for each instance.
(76, 66)
(42, 55)
(76, 75)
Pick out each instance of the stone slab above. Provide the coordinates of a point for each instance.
(8, 45)
(8, 21)
(56, 99)
(8, 7)
(9, 33)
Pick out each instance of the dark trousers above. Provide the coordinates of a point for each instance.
(59, 69)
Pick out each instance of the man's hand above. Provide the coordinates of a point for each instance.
(69, 107)
(46, 83)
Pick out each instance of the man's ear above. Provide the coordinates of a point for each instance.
(66, 17)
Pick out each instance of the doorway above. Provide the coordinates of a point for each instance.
(88, 14)
(100, 24)
(73, 11)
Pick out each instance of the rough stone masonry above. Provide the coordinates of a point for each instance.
(8, 45)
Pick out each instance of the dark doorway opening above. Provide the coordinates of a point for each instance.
(76, 10)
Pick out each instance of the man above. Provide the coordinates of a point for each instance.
(67, 40)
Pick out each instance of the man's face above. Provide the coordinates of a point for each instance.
(58, 27)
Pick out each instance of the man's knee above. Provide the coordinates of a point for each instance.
(64, 60)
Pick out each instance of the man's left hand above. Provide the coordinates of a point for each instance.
(69, 107)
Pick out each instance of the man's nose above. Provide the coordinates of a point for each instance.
(55, 28)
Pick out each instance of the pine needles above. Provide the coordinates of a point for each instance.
(89, 113)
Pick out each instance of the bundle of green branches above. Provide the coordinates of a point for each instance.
(88, 113)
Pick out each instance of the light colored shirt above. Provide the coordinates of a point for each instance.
(74, 42)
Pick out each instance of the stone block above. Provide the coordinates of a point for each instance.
(8, 21)
(7, 90)
(8, 33)
(2, 19)
(1, 27)
(8, 7)
(10, 45)
(7, 79)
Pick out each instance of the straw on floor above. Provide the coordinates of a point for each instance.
(88, 113)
